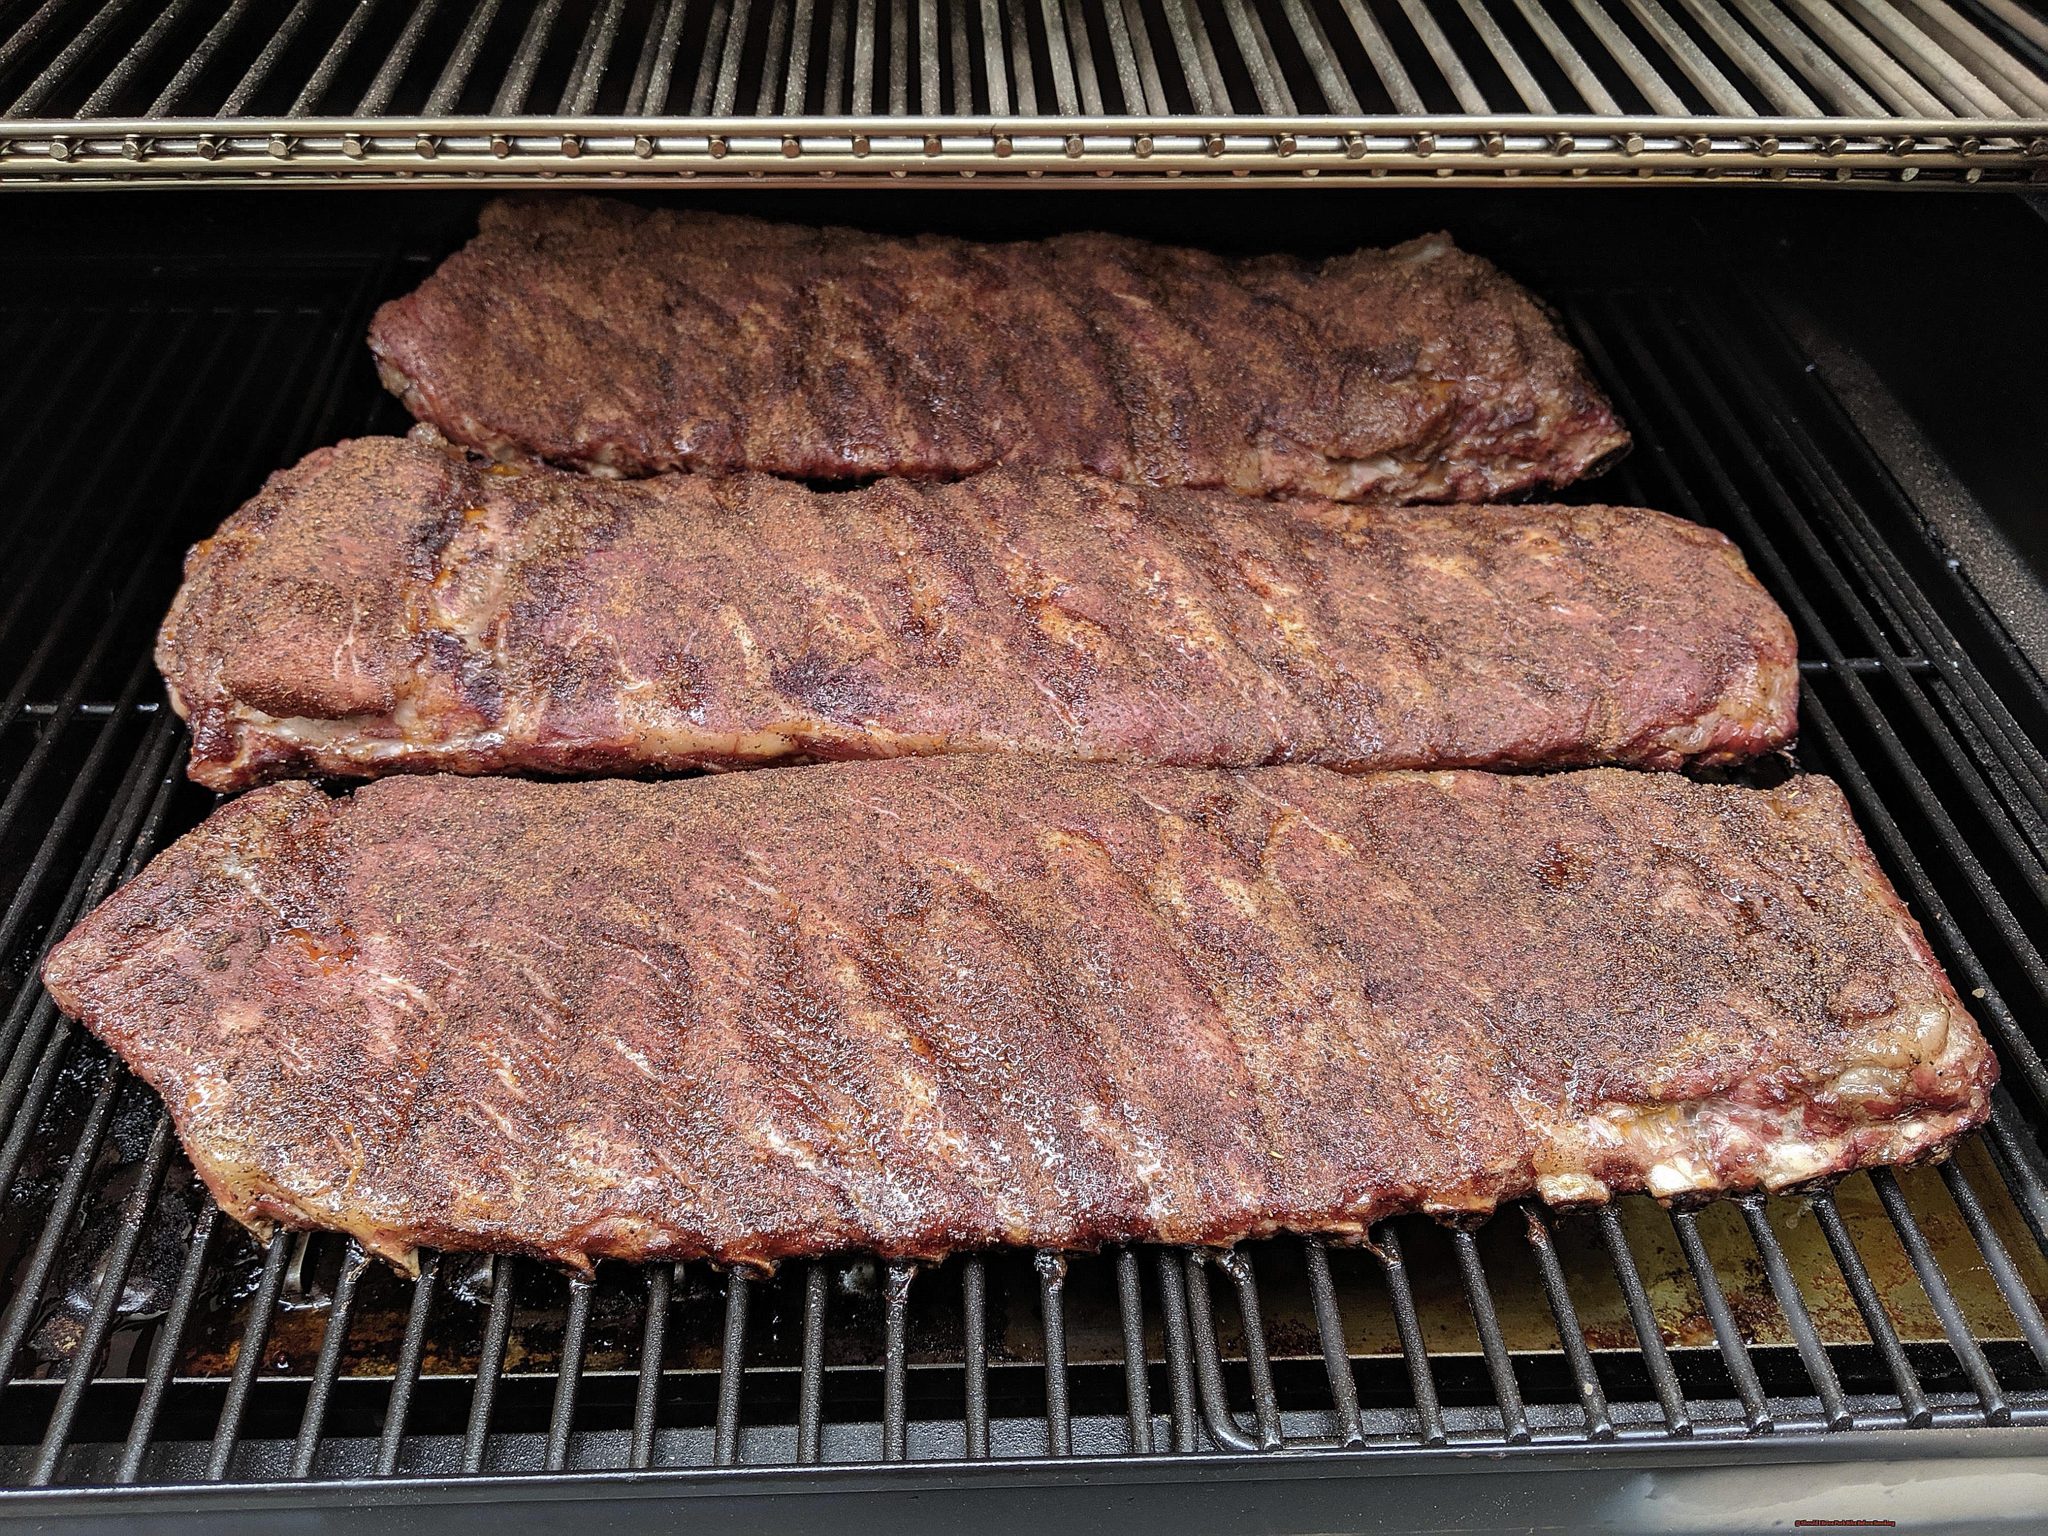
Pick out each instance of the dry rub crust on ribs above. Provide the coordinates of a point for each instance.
(386, 606)
(627, 340)
(932, 1005)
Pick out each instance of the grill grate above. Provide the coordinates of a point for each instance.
(1884, 90)
(145, 1339)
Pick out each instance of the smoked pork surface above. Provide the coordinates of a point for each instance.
(628, 340)
(923, 1006)
(386, 606)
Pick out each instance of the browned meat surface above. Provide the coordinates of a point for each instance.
(930, 1005)
(628, 340)
(385, 607)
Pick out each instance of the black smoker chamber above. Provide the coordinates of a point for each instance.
(1849, 386)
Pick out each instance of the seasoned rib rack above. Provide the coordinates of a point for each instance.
(911, 1008)
(385, 607)
(627, 340)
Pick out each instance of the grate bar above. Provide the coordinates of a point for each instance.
(1756, 1412)
(589, 79)
(83, 782)
(455, 73)
(340, 1307)
(899, 58)
(1216, 1410)
(727, 89)
(1842, 89)
(863, 57)
(33, 1015)
(810, 1410)
(1386, 64)
(1591, 88)
(132, 62)
(1429, 1415)
(265, 63)
(797, 82)
(1180, 1367)
(533, 44)
(405, 1371)
(490, 1364)
(1792, 1306)
(658, 61)
(974, 1323)
(99, 1322)
(1983, 1380)
(1690, 58)
(1514, 1417)
(1237, 1264)
(732, 1359)
(1663, 1380)
(1445, 57)
(778, 47)
(1621, 48)
(1256, 53)
(1786, 94)
(1052, 1311)
(227, 1433)
(2017, 1162)
(1876, 1320)
(992, 62)
(196, 62)
(1198, 58)
(2025, 1310)
(1900, 88)
(2019, 88)
(1928, 59)
(1483, 21)
(315, 90)
(895, 1360)
(28, 1286)
(1054, 32)
(931, 100)
(397, 61)
(1330, 1335)
(1082, 50)
(569, 1374)
(1130, 1305)
(1116, 20)
(163, 1354)
(835, 58)
(653, 1338)
(1592, 1397)
(30, 32)
(82, 45)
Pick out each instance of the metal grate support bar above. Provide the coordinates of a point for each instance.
(787, 90)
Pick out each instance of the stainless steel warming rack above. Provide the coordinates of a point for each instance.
(654, 91)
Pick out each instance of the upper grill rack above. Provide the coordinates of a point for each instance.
(791, 90)
(144, 1339)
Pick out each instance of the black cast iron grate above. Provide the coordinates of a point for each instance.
(145, 1339)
